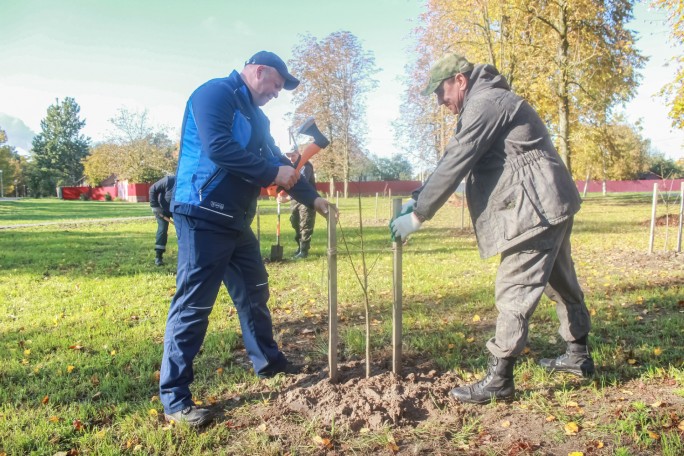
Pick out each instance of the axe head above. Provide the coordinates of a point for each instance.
(309, 128)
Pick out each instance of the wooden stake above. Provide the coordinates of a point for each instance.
(396, 307)
(653, 217)
(681, 218)
(332, 294)
(376, 206)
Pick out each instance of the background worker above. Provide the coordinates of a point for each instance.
(522, 201)
(302, 217)
(227, 154)
(161, 193)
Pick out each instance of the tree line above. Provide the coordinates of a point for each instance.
(576, 62)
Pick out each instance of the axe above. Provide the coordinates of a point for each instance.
(320, 142)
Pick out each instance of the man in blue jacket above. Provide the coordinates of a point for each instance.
(227, 155)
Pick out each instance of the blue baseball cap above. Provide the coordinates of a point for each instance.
(272, 60)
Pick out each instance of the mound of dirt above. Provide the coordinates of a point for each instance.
(357, 402)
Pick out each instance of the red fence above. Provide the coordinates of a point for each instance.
(134, 193)
(669, 185)
(138, 193)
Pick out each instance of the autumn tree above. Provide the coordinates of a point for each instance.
(338, 74)
(58, 149)
(674, 91)
(615, 151)
(135, 151)
(561, 56)
(9, 164)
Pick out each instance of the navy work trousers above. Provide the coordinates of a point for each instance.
(208, 255)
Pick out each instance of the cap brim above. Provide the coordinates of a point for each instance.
(430, 89)
(291, 82)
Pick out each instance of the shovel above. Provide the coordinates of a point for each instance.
(277, 249)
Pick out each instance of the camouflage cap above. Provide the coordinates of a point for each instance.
(446, 67)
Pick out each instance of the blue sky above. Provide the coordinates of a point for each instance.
(152, 54)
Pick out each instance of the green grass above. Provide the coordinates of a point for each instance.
(83, 309)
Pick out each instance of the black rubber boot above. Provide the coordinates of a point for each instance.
(303, 250)
(576, 360)
(158, 260)
(497, 384)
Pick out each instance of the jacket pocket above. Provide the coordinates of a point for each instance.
(517, 211)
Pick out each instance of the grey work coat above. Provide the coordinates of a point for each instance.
(517, 185)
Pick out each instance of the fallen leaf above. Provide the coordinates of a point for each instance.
(470, 340)
(261, 427)
(307, 331)
(154, 398)
(451, 346)
(657, 404)
(550, 418)
(681, 425)
(219, 371)
(45, 400)
(77, 424)
(324, 442)
(571, 428)
(153, 412)
(476, 318)
(76, 347)
(657, 351)
(505, 424)
(654, 435)
(157, 375)
(70, 369)
(393, 447)
(631, 361)
(27, 352)
(571, 404)
(526, 351)
(364, 431)
(113, 353)
(598, 444)
(54, 419)
(592, 312)
(575, 453)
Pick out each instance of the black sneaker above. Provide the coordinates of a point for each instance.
(192, 415)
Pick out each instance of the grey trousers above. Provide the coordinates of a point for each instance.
(542, 264)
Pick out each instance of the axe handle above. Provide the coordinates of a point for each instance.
(163, 217)
(306, 155)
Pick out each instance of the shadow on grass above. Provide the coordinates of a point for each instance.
(98, 250)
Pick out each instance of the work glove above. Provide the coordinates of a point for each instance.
(407, 207)
(404, 225)
(158, 211)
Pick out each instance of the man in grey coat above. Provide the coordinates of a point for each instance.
(522, 200)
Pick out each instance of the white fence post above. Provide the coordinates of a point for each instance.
(653, 217)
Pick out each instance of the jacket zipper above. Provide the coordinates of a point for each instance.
(207, 183)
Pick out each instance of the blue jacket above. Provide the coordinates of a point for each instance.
(226, 155)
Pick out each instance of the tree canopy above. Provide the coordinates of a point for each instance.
(57, 151)
(337, 74)
(674, 91)
(135, 151)
(573, 61)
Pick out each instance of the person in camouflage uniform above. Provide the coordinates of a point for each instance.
(302, 217)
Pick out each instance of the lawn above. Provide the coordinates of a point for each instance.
(83, 310)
